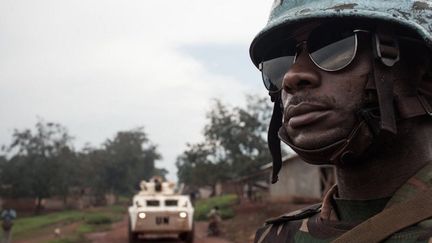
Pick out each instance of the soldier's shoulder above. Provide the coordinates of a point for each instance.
(303, 213)
(280, 227)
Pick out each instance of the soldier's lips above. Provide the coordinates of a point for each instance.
(305, 114)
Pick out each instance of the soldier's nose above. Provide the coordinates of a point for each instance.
(303, 74)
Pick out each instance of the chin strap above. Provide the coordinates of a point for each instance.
(341, 152)
(273, 140)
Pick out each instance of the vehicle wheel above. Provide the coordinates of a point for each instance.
(133, 237)
(188, 237)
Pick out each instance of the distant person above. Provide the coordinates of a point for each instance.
(158, 184)
(351, 82)
(192, 196)
(7, 217)
(214, 221)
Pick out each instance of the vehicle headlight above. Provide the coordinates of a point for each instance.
(142, 215)
(183, 215)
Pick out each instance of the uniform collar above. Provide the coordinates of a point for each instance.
(421, 181)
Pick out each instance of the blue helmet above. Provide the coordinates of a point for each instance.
(412, 14)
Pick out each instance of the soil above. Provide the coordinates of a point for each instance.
(119, 234)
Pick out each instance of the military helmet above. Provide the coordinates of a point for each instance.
(415, 15)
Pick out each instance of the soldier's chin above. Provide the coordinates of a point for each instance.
(316, 140)
(307, 143)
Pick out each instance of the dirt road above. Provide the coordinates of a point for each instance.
(118, 234)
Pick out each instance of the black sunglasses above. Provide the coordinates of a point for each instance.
(330, 48)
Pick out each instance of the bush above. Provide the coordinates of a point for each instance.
(98, 219)
(203, 207)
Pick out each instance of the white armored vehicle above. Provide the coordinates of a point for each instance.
(159, 212)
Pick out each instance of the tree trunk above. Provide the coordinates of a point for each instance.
(39, 206)
(65, 201)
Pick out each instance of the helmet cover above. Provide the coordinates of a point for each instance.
(415, 15)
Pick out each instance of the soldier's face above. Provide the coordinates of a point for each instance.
(319, 106)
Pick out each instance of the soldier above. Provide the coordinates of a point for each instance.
(351, 82)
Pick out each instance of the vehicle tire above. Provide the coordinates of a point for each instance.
(133, 237)
(188, 237)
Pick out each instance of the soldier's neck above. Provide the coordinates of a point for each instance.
(395, 162)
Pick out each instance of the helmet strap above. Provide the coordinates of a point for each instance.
(386, 51)
(273, 140)
(340, 152)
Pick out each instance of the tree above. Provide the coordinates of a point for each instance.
(37, 165)
(234, 144)
(162, 172)
(122, 162)
(196, 167)
(42, 163)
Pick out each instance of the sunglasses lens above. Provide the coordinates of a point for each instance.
(332, 52)
(330, 48)
(274, 70)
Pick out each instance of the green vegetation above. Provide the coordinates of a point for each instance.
(29, 224)
(119, 209)
(98, 219)
(86, 228)
(234, 144)
(225, 203)
(90, 220)
(41, 163)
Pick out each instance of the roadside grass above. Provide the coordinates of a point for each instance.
(79, 235)
(225, 204)
(24, 226)
(90, 220)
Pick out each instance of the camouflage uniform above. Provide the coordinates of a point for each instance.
(325, 222)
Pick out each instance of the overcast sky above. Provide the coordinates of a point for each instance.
(101, 66)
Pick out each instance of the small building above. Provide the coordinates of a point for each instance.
(253, 188)
(299, 181)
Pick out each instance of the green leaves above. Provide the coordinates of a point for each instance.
(234, 144)
(122, 162)
(42, 163)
